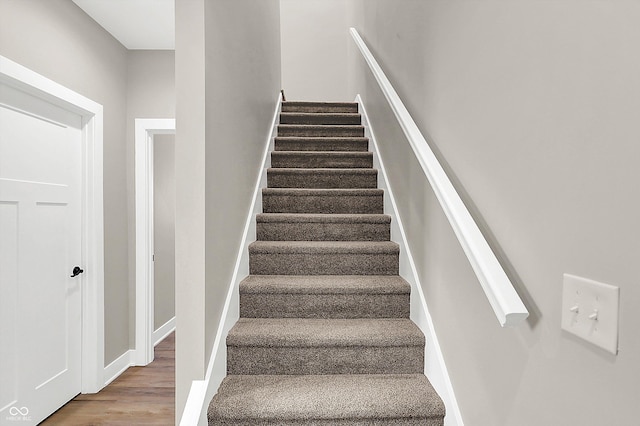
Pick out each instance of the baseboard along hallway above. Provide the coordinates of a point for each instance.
(141, 395)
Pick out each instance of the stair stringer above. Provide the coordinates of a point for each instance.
(435, 367)
(202, 391)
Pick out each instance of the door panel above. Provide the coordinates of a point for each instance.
(40, 175)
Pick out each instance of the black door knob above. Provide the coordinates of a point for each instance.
(77, 271)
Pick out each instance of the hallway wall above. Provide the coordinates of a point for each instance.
(151, 93)
(534, 108)
(58, 40)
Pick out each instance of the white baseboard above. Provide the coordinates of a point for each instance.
(127, 359)
(193, 414)
(163, 331)
(118, 366)
(435, 367)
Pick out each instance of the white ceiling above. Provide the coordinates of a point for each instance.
(137, 24)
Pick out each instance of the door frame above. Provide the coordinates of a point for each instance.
(92, 250)
(145, 129)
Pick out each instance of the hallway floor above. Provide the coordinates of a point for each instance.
(140, 396)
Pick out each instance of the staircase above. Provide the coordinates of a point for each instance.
(324, 335)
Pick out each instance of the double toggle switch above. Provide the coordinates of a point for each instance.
(590, 311)
(593, 316)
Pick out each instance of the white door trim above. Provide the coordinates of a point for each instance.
(30, 82)
(144, 132)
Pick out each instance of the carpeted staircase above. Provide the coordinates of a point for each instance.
(324, 336)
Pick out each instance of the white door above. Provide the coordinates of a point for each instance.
(40, 243)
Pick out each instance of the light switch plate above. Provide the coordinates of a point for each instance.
(590, 311)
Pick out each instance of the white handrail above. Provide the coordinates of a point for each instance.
(502, 296)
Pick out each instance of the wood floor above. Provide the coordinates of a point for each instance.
(140, 396)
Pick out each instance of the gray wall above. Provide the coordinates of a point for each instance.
(315, 47)
(164, 221)
(58, 40)
(190, 185)
(534, 108)
(227, 76)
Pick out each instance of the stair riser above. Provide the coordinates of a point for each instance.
(324, 119)
(251, 360)
(273, 203)
(350, 108)
(348, 306)
(321, 145)
(312, 160)
(320, 131)
(277, 179)
(323, 264)
(315, 231)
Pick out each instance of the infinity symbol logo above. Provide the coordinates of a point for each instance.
(14, 411)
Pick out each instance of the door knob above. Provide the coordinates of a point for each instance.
(77, 271)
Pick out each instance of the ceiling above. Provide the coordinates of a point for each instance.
(137, 24)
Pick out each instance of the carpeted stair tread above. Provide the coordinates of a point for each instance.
(325, 332)
(348, 192)
(326, 107)
(325, 346)
(324, 296)
(324, 247)
(396, 399)
(324, 284)
(299, 200)
(321, 143)
(324, 118)
(303, 130)
(322, 218)
(322, 227)
(321, 159)
(320, 178)
(323, 258)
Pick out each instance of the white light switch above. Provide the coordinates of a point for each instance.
(590, 311)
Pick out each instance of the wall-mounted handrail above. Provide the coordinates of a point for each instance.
(502, 296)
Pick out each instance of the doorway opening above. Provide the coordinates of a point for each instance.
(149, 134)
